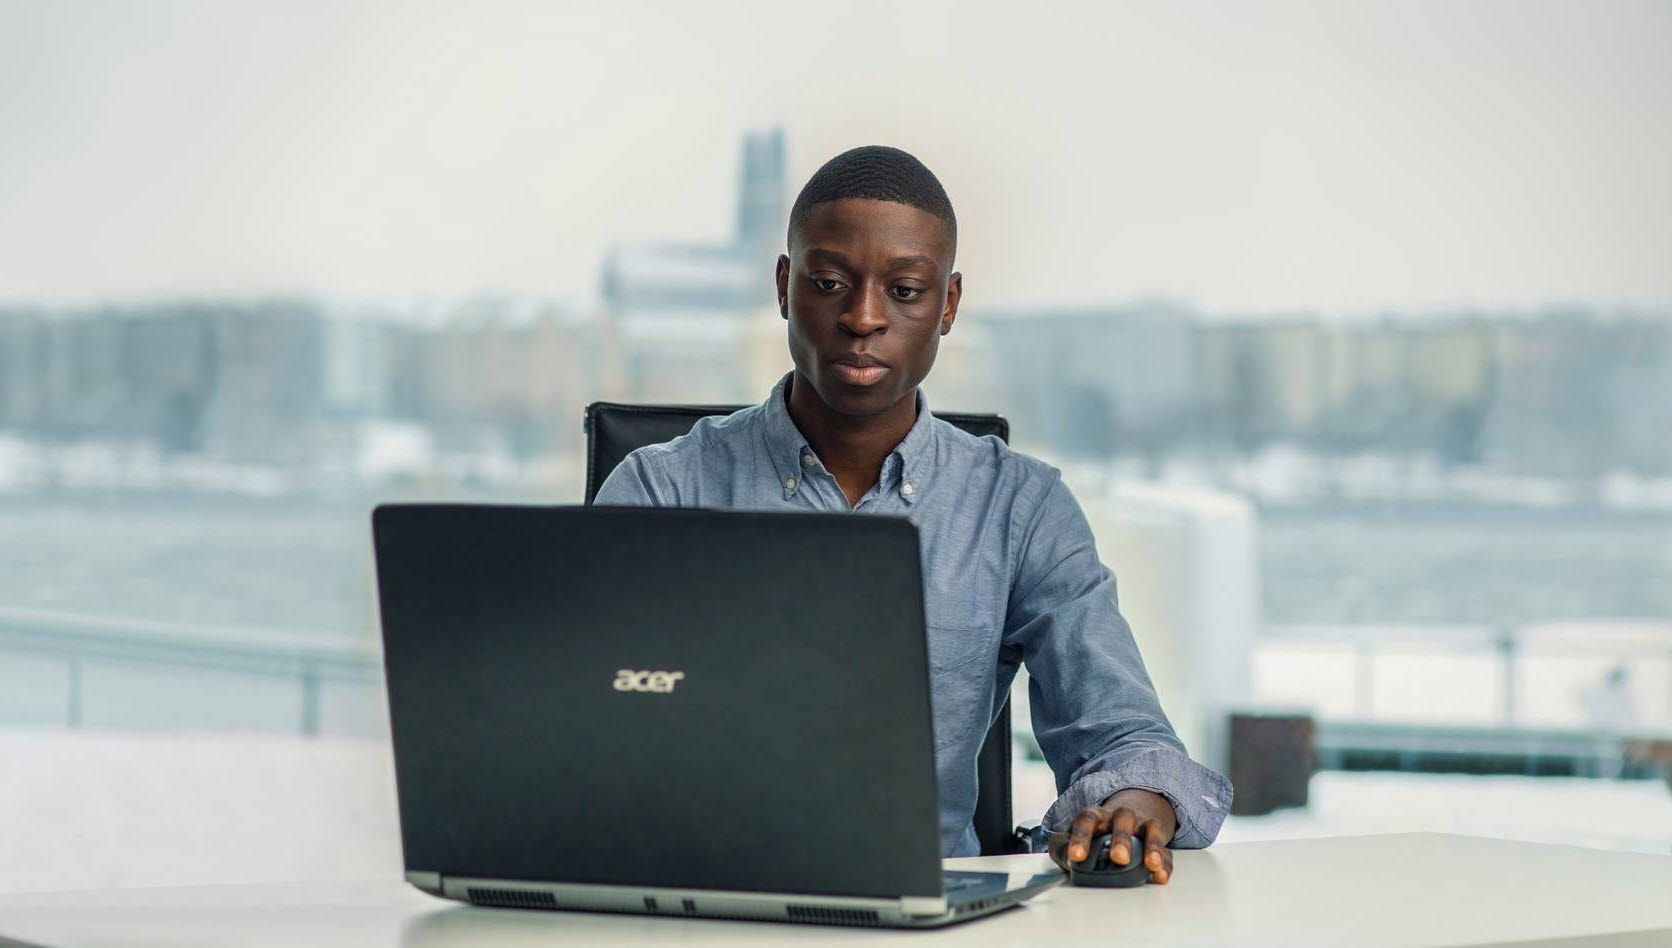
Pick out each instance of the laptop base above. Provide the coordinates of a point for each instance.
(972, 895)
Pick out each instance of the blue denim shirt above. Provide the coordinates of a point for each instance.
(1010, 575)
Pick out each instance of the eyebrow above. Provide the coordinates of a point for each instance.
(831, 255)
(898, 263)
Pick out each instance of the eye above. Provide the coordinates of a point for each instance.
(826, 284)
(905, 293)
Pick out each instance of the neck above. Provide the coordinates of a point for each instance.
(852, 447)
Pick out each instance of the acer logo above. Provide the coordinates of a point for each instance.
(661, 682)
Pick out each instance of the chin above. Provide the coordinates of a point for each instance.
(857, 400)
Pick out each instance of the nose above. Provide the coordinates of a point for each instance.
(867, 315)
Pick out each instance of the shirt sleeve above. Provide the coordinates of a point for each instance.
(633, 483)
(1095, 711)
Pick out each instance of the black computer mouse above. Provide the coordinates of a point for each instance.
(1100, 870)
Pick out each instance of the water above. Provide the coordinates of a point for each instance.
(226, 564)
(308, 566)
(242, 564)
(1462, 565)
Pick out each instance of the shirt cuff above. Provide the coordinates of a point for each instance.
(1200, 797)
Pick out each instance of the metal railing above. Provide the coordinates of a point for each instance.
(314, 664)
(1518, 733)
(1641, 643)
(106, 662)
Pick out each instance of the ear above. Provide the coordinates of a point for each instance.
(954, 292)
(784, 286)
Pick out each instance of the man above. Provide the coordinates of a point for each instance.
(1010, 572)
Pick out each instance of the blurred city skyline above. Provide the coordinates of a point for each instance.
(1461, 405)
(1283, 156)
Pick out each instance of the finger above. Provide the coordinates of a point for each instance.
(1158, 859)
(1057, 846)
(1090, 822)
(1160, 876)
(1155, 844)
(1124, 824)
(1166, 871)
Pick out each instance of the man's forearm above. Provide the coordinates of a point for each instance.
(1200, 798)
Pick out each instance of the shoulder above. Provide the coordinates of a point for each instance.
(711, 433)
(670, 470)
(1025, 477)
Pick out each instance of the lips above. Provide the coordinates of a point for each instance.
(859, 369)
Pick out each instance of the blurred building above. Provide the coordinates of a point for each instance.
(1578, 394)
(1386, 385)
(502, 377)
(266, 399)
(681, 319)
(239, 381)
(1093, 381)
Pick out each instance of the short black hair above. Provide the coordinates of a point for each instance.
(880, 173)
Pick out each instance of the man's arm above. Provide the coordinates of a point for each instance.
(631, 484)
(1118, 764)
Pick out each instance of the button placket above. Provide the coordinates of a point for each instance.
(910, 487)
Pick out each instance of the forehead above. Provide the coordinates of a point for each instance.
(861, 228)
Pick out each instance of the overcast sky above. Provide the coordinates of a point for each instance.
(1253, 156)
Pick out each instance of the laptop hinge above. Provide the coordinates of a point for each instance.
(428, 881)
(923, 904)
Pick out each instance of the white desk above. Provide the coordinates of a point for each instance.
(1406, 889)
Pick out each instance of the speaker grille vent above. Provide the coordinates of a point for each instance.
(833, 916)
(512, 898)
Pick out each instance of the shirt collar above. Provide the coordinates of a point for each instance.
(787, 445)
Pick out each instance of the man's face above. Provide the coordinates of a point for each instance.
(868, 290)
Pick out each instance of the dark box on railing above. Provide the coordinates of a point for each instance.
(1273, 758)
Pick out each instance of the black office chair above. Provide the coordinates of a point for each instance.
(613, 430)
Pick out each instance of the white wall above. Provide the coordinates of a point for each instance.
(1186, 568)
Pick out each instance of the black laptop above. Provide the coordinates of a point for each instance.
(669, 712)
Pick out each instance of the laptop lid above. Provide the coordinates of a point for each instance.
(660, 697)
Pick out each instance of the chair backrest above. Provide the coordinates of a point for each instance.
(614, 430)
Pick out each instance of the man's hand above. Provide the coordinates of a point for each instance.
(1128, 813)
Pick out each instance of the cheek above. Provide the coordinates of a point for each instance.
(803, 324)
(810, 311)
(923, 330)
(802, 333)
(923, 344)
